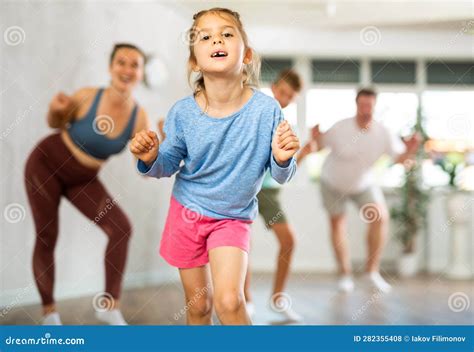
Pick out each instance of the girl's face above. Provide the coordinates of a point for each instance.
(219, 47)
(126, 69)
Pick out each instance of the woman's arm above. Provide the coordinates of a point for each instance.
(63, 108)
(60, 110)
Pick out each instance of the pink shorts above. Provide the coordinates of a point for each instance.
(189, 236)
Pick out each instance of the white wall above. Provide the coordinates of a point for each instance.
(66, 46)
(378, 42)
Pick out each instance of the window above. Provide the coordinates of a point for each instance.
(272, 67)
(328, 106)
(393, 72)
(449, 120)
(329, 96)
(449, 114)
(452, 73)
(335, 71)
(397, 111)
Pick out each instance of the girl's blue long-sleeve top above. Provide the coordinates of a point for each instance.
(220, 161)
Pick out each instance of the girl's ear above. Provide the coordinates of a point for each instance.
(194, 65)
(248, 56)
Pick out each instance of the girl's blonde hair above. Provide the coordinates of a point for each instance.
(251, 71)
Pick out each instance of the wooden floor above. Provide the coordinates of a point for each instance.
(421, 300)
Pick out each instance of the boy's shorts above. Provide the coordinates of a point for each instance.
(270, 208)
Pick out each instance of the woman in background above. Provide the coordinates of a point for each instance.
(92, 125)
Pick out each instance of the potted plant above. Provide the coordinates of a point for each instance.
(410, 211)
(451, 163)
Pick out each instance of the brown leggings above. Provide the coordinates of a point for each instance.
(51, 172)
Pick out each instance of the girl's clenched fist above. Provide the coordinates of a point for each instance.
(145, 146)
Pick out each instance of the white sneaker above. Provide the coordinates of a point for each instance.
(250, 309)
(346, 284)
(52, 319)
(283, 312)
(111, 317)
(375, 280)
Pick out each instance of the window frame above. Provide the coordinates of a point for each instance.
(302, 64)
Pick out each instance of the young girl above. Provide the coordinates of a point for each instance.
(227, 134)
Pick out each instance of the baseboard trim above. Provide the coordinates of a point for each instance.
(29, 295)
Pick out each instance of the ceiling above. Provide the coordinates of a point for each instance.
(450, 15)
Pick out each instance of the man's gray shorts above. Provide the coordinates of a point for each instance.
(335, 201)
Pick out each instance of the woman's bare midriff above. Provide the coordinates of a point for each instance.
(82, 157)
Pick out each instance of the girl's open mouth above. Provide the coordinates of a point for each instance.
(219, 53)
